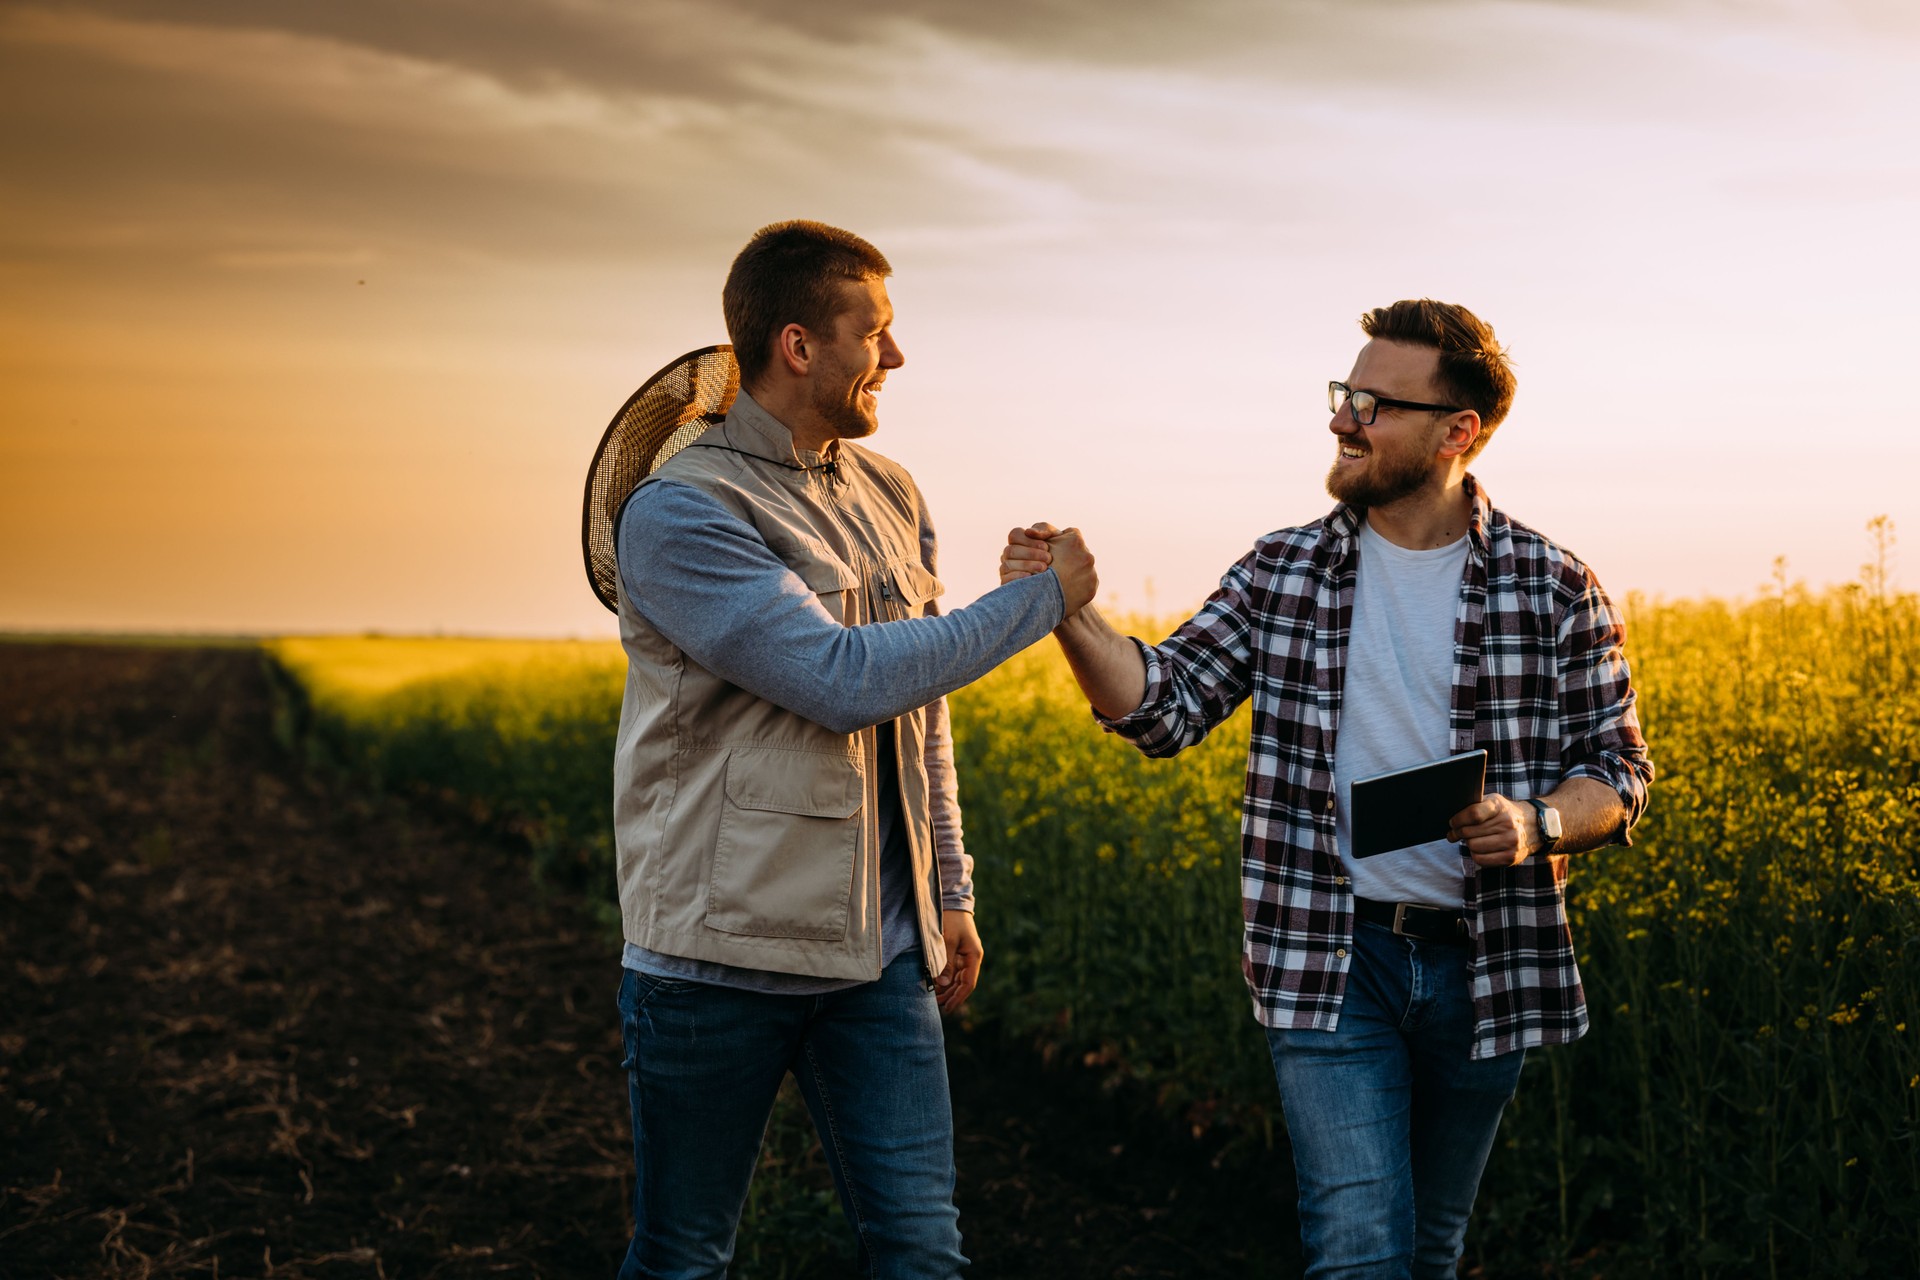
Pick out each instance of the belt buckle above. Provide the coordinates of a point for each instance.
(1399, 918)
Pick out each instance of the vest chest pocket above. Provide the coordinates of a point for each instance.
(825, 574)
(908, 584)
(783, 860)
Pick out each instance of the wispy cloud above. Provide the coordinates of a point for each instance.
(585, 127)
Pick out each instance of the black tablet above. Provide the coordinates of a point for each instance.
(1398, 810)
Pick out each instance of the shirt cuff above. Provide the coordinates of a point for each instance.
(1622, 835)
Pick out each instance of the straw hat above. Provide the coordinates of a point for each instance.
(669, 411)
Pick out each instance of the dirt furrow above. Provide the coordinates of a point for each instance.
(257, 1023)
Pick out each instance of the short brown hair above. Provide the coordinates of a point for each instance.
(1474, 371)
(790, 273)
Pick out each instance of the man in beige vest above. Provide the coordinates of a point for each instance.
(793, 888)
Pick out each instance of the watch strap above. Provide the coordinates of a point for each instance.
(1548, 843)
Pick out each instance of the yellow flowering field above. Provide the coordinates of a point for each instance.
(519, 731)
(1748, 1101)
(369, 667)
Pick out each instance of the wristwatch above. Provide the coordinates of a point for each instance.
(1549, 820)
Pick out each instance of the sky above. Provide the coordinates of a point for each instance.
(311, 314)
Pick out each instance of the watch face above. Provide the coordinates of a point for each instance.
(1550, 821)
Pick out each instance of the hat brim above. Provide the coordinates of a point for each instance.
(669, 411)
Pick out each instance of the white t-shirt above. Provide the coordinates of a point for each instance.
(1393, 713)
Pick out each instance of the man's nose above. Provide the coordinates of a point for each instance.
(891, 357)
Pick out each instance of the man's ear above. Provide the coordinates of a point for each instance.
(1462, 430)
(794, 348)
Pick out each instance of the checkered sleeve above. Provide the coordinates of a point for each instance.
(1599, 727)
(1200, 674)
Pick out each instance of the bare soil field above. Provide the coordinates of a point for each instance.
(255, 1022)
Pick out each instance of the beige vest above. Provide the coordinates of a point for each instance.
(747, 834)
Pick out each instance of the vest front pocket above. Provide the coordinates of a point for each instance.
(826, 574)
(783, 859)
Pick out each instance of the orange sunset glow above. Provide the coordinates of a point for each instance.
(312, 314)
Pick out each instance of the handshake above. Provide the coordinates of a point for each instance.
(1039, 547)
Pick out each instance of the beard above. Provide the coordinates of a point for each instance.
(836, 398)
(1387, 478)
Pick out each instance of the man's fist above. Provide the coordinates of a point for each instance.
(1039, 547)
(957, 980)
(1494, 831)
(1026, 552)
(1074, 563)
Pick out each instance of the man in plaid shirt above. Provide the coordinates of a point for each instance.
(1413, 622)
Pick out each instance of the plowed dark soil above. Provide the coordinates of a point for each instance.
(253, 1023)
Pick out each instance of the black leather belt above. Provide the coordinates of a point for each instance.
(1410, 920)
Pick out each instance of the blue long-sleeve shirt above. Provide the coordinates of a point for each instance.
(729, 602)
(725, 598)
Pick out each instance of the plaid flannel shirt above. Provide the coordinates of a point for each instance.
(1539, 680)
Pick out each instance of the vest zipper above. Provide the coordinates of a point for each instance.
(871, 745)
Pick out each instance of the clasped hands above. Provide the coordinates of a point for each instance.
(1039, 547)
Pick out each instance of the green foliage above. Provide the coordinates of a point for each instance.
(1111, 891)
(1748, 1100)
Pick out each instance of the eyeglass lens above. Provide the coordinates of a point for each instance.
(1363, 403)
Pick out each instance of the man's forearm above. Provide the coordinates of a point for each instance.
(1499, 831)
(1591, 814)
(1107, 664)
(848, 678)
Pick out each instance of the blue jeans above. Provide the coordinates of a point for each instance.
(703, 1065)
(1390, 1120)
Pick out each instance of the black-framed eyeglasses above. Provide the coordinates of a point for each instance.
(1366, 406)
